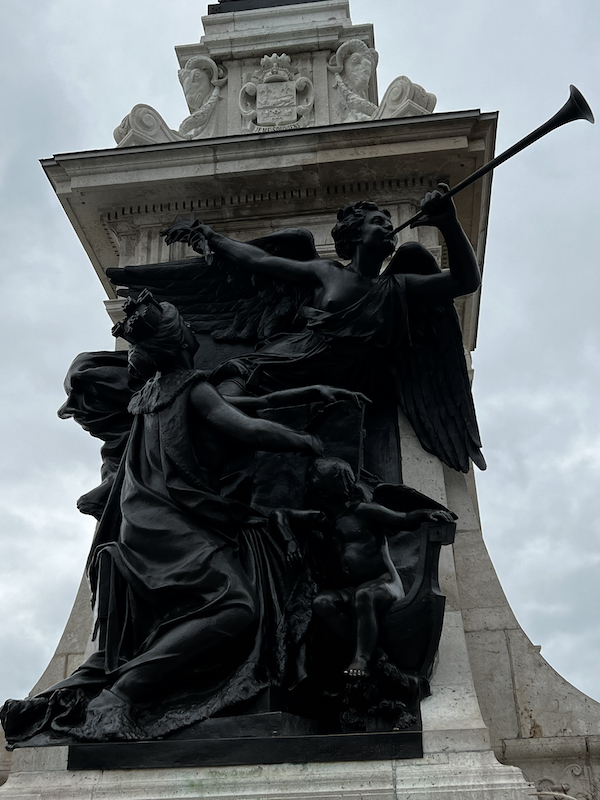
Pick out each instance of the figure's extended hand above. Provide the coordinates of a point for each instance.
(201, 230)
(199, 241)
(311, 446)
(181, 230)
(426, 515)
(293, 554)
(193, 232)
(331, 394)
(314, 517)
(442, 516)
(438, 208)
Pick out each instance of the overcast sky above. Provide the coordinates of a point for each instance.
(71, 71)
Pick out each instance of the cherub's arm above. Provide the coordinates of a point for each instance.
(464, 276)
(248, 257)
(407, 521)
(261, 434)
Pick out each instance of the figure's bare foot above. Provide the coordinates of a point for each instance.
(359, 668)
(108, 718)
(404, 721)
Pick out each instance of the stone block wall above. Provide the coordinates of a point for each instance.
(68, 655)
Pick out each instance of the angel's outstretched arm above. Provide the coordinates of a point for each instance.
(261, 434)
(248, 257)
(464, 276)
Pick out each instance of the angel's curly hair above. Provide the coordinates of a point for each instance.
(349, 222)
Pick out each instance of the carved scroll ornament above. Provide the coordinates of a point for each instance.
(202, 81)
(404, 98)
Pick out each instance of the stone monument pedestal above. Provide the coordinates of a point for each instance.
(41, 773)
(458, 761)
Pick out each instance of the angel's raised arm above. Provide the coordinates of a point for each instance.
(464, 276)
(252, 258)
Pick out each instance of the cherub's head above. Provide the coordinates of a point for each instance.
(332, 481)
(159, 338)
(358, 222)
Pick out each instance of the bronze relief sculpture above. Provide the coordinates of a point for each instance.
(218, 575)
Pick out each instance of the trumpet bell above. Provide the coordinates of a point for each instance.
(580, 105)
(576, 107)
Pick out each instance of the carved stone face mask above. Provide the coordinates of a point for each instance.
(196, 87)
(358, 70)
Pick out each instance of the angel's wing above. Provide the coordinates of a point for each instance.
(433, 386)
(217, 298)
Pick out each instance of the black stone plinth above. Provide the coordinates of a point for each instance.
(262, 725)
(245, 5)
(240, 751)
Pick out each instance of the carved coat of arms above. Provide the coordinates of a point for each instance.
(277, 97)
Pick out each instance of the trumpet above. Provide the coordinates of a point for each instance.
(576, 107)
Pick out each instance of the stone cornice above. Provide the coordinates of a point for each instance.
(284, 177)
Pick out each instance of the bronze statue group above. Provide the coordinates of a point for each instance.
(238, 550)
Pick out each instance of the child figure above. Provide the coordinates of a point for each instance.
(368, 581)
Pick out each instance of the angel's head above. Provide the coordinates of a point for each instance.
(363, 222)
(159, 339)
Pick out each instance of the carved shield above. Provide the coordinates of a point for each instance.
(276, 103)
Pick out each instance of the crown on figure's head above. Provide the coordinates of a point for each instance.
(143, 315)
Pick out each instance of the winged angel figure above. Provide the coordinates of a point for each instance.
(391, 334)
